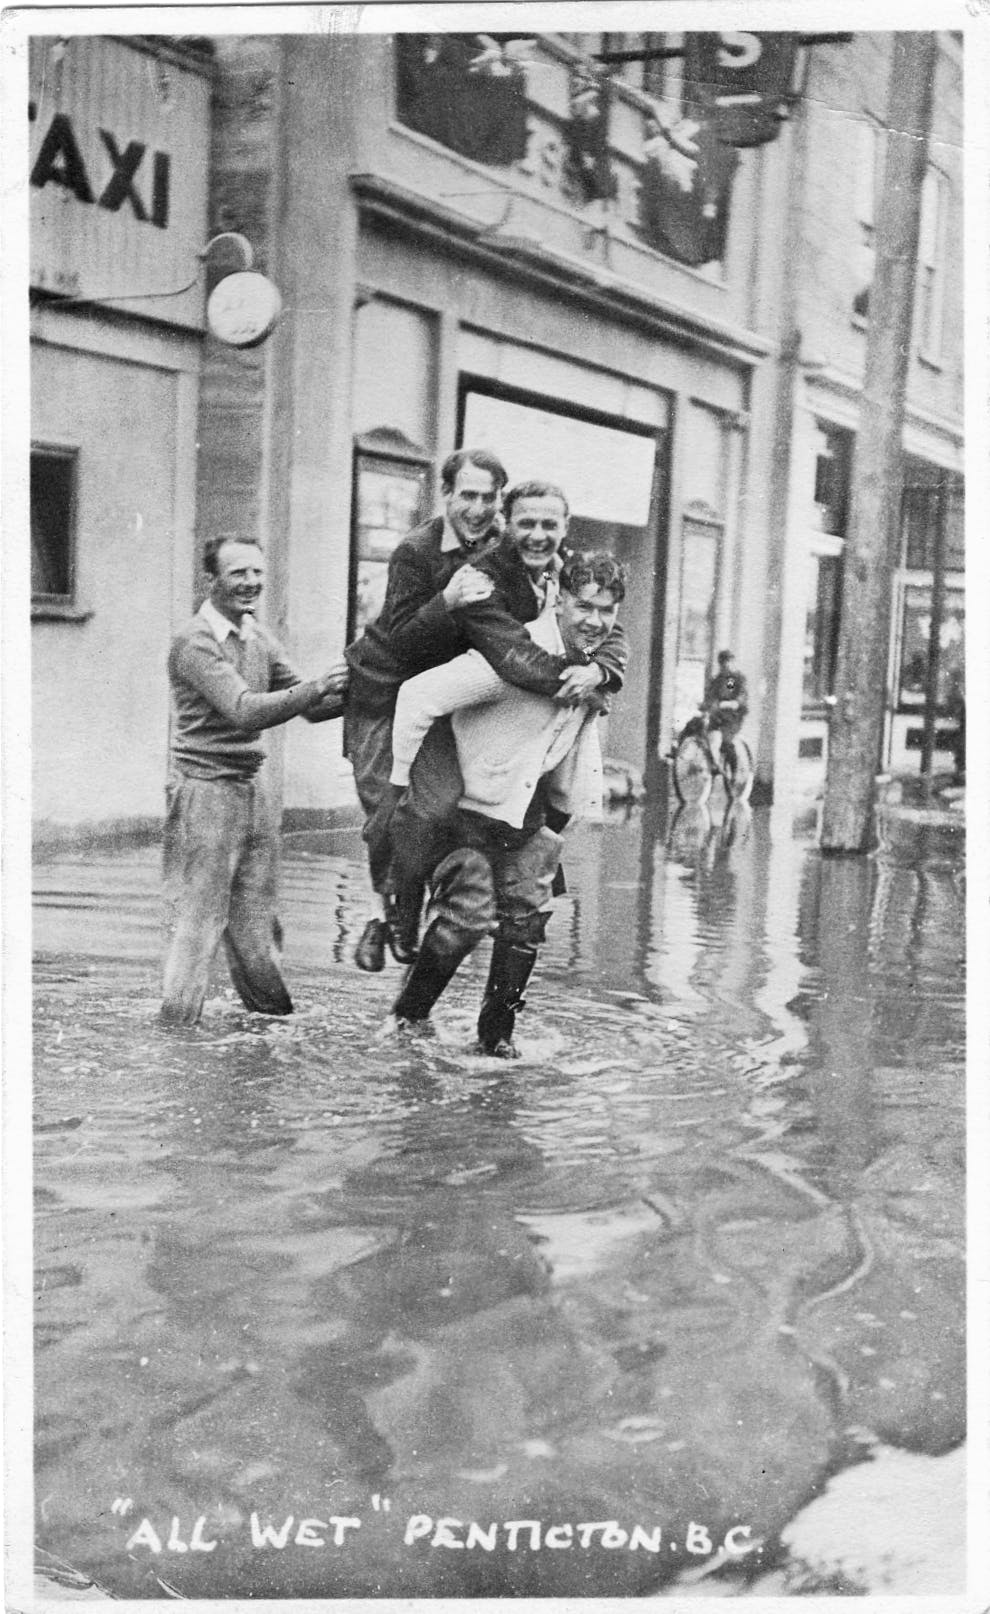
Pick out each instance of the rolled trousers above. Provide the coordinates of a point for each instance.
(221, 879)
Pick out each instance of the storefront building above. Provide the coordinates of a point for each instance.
(119, 140)
(459, 277)
(436, 299)
(837, 131)
(680, 347)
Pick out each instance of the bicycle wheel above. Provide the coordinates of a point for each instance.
(692, 770)
(739, 780)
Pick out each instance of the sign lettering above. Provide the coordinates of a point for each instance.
(60, 162)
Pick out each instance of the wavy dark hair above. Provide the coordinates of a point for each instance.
(533, 490)
(598, 566)
(482, 458)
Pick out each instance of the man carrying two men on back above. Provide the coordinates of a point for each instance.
(455, 583)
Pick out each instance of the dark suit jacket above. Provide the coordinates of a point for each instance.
(415, 630)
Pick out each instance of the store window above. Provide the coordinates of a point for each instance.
(932, 510)
(821, 631)
(391, 497)
(916, 633)
(833, 476)
(53, 525)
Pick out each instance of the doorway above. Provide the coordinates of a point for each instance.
(614, 473)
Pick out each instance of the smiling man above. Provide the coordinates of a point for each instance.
(529, 763)
(230, 680)
(453, 583)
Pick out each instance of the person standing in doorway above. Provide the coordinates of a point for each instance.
(230, 679)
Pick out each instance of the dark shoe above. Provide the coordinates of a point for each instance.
(402, 928)
(442, 949)
(369, 954)
(510, 969)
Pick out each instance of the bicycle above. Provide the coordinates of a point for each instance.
(697, 764)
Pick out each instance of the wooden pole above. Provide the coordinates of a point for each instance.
(874, 524)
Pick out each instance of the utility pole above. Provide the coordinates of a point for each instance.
(874, 525)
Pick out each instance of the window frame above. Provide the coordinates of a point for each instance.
(62, 606)
(871, 158)
(932, 261)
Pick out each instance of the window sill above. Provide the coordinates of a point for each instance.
(59, 611)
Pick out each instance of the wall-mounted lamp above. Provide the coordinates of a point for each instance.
(243, 307)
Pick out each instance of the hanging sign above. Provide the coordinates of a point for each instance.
(745, 79)
(685, 190)
(243, 309)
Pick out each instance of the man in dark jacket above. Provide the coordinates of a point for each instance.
(452, 586)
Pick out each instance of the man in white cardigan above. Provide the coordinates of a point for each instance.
(528, 765)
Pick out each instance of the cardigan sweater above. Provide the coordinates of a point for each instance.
(508, 739)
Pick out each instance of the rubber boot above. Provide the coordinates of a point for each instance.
(441, 951)
(510, 969)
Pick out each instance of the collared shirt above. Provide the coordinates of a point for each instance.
(227, 686)
(451, 541)
(221, 626)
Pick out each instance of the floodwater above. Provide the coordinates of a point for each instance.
(326, 1313)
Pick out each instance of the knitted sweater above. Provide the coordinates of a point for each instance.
(224, 694)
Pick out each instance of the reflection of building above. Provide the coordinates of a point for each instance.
(492, 264)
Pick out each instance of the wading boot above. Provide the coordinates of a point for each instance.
(369, 954)
(441, 951)
(510, 969)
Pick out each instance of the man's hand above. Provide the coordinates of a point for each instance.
(577, 683)
(333, 682)
(466, 587)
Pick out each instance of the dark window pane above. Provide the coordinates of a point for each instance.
(821, 638)
(833, 471)
(52, 489)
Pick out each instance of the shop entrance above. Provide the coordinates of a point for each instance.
(614, 473)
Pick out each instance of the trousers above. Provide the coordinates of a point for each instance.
(221, 881)
(484, 877)
(436, 779)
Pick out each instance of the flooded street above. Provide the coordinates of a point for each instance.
(324, 1314)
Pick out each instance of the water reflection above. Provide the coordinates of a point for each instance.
(666, 1269)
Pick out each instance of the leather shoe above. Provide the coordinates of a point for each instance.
(402, 934)
(369, 954)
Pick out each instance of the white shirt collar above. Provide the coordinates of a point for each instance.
(221, 626)
(451, 541)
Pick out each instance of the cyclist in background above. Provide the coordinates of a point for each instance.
(726, 703)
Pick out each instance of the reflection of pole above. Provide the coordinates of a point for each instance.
(934, 637)
(871, 547)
